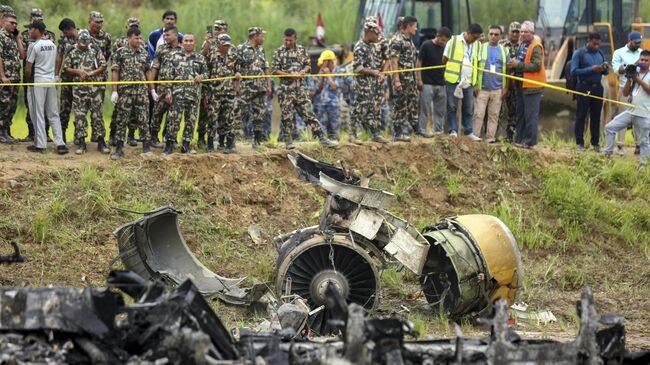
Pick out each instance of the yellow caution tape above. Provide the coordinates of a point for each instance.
(98, 83)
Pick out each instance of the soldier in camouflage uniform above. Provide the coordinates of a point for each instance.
(221, 101)
(367, 85)
(86, 64)
(119, 43)
(292, 60)
(101, 40)
(251, 61)
(11, 52)
(508, 114)
(162, 68)
(184, 98)
(131, 100)
(66, 43)
(346, 87)
(207, 49)
(403, 55)
(36, 14)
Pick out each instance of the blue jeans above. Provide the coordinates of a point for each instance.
(622, 122)
(467, 109)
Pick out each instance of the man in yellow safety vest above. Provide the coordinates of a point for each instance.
(461, 59)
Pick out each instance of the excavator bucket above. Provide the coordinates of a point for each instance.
(154, 248)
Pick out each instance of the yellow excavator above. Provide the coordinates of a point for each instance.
(565, 26)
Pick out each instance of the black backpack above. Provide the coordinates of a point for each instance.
(572, 80)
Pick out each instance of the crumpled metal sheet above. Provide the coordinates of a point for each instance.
(366, 197)
(154, 248)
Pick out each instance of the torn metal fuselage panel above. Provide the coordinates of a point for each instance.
(154, 248)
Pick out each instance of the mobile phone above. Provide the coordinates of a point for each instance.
(209, 29)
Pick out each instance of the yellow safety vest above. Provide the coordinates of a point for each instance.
(481, 63)
(455, 60)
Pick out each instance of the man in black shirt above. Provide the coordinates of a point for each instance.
(431, 83)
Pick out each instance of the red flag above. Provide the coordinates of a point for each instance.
(380, 23)
(320, 31)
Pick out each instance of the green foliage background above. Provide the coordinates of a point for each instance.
(339, 16)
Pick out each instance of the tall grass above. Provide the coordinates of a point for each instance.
(339, 16)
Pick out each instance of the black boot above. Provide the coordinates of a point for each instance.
(4, 137)
(222, 143)
(102, 147)
(81, 149)
(187, 148)
(131, 139)
(9, 137)
(210, 144)
(257, 141)
(169, 148)
(230, 145)
(111, 138)
(119, 151)
(201, 141)
(146, 147)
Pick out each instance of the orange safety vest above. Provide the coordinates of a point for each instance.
(540, 75)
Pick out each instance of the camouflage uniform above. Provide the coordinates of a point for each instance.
(65, 45)
(9, 94)
(163, 61)
(346, 87)
(117, 44)
(406, 102)
(101, 40)
(185, 96)
(508, 114)
(366, 89)
(221, 97)
(292, 93)
(84, 97)
(251, 61)
(133, 101)
(27, 40)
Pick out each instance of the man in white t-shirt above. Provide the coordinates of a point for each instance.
(637, 85)
(41, 58)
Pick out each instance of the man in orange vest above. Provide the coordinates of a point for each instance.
(529, 64)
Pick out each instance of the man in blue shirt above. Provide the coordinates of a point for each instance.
(155, 37)
(490, 88)
(588, 65)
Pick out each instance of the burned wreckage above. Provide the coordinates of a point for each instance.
(468, 266)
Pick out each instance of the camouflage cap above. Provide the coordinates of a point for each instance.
(84, 37)
(220, 23)
(7, 10)
(132, 22)
(372, 19)
(255, 31)
(96, 16)
(36, 14)
(514, 26)
(372, 26)
(224, 39)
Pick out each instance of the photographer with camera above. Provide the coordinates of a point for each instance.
(637, 86)
(624, 56)
(588, 66)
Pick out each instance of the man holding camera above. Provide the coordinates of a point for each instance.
(588, 66)
(637, 86)
(626, 55)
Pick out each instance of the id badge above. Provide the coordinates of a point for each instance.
(493, 68)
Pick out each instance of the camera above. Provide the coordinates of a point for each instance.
(630, 71)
